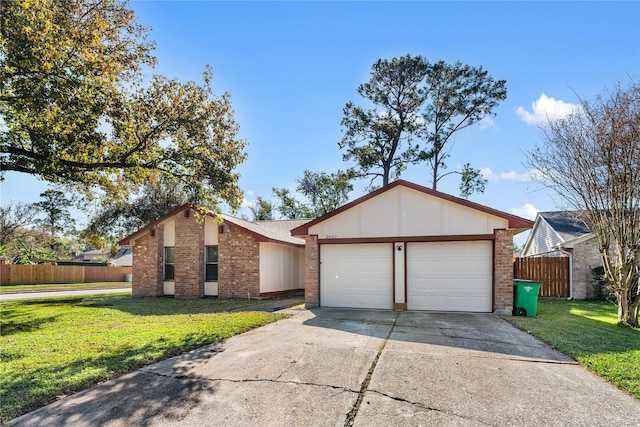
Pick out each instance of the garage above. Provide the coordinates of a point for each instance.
(405, 246)
(449, 276)
(356, 275)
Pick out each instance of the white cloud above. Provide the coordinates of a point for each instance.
(487, 173)
(527, 211)
(487, 122)
(545, 109)
(246, 203)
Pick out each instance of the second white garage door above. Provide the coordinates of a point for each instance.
(356, 275)
(449, 276)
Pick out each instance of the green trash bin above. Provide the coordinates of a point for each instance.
(525, 296)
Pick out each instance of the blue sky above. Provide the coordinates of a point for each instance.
(290, 68)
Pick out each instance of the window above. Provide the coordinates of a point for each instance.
(211, 263)
(169, 263)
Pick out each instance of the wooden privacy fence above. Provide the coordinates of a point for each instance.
(552, 272)
(15, 274)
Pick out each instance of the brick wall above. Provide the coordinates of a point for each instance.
(585, 255)
(503, 272)
(189, 247)
(239, 263)
(148, 254)
(311, 273)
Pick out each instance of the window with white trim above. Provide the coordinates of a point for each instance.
(211, 263)
(169, 262)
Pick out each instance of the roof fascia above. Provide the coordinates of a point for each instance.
(515, 222)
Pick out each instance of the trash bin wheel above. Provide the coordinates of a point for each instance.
(519, 311)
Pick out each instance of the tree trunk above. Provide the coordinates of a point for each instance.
(628, 308)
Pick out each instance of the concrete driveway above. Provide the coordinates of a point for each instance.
(335, 367)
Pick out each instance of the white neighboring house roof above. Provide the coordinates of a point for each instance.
(553, 231)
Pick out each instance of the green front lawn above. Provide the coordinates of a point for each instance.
(57, 346)
(589, 333)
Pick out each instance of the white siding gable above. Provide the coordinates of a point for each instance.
(543, 239)
(406, 212)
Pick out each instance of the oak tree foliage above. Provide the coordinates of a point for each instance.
(76, 110)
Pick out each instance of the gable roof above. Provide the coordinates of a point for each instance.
(567, 224)
(269, 231)
(264, 231)
(555, 230)
(515, 222)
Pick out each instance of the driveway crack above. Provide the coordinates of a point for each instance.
(351, 416)
(428, 408)
(251, 380)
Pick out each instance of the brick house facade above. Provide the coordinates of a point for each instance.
(190, 255)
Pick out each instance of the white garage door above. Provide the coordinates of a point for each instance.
(357, 276)
(449, 276)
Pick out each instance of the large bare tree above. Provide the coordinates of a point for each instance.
(591, 158)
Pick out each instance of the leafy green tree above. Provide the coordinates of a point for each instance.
(55, 207)
(261, 209)
(471, 181)
(324, 193)
(288, 206)
(76, 110)
(111, 221)
(591, 158)
(379, 139)
(457, 96)
(28, 254)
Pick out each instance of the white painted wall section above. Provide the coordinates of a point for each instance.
(170, 233)
(281, 268)
(210, 232)
(399, 252)
(402, 212)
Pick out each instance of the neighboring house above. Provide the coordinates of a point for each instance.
(90, 255)
(405, 246)
(124, 258)
(222, 256)
(562, 233)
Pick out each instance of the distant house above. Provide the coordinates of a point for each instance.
(124, 258)
(564, 234)
(91, 255)
(221, 256)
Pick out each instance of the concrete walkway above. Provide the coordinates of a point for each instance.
(333, 367)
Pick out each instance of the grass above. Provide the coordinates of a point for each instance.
(589, 333)
(45, 287)
(57, 346)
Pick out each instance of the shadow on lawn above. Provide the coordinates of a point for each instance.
(136, 398)
(14, 321)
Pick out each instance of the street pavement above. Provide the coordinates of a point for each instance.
(341, 367)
